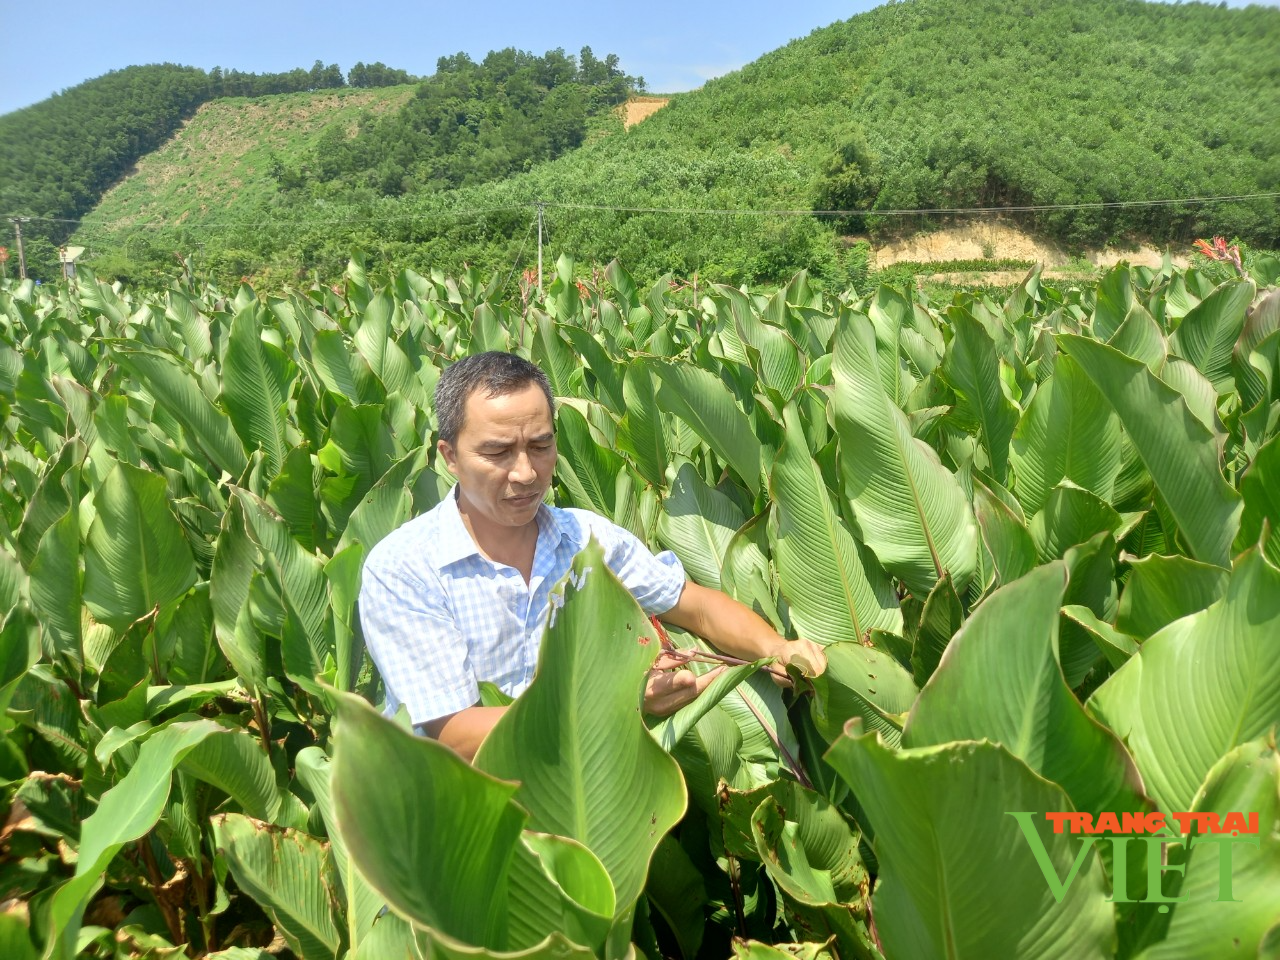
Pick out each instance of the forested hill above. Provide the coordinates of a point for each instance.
(59, 155)
(925, 103)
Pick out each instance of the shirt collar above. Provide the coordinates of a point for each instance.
(455, 542)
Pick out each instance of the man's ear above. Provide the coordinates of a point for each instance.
(450, 455)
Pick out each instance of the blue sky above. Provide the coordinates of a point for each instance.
(49, 46)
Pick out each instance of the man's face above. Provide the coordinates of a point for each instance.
(503, 456)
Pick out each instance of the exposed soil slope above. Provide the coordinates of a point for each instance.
(638, 108)
(222, 156)
(988, 240)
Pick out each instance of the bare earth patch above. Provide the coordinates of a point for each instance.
(986, 241)
(639, 108)
(208, 152)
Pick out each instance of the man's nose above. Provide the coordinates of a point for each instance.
(522, 471)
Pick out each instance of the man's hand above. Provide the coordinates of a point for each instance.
(808, 657)
(669, 687)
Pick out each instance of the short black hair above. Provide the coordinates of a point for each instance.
(497, 373)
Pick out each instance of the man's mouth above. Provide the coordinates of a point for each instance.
(524, 499)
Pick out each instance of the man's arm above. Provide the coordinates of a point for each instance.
(734, 628)
(665, 692)
(465, 730)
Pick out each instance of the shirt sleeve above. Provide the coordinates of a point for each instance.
(656, 581)
(415, 644)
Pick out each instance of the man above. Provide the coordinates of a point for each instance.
(459, 594)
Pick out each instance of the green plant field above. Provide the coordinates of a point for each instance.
(1036, 536)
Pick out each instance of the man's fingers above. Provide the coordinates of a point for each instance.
(704, 681)
(668, 661)
(668, 691)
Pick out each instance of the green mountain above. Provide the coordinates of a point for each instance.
(59, 156)
(931, 104)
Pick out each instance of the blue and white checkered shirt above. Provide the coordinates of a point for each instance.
(438, 617)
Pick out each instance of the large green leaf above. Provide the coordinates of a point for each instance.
(404, 802)
(173, 383)
(940, 618)
(1160, 590)
(343, 574)
(1218, 666)
(343, 372)
(292, 493)
(697, 522)
(820, 908)
(1069, 432)
(361, 902)
(1070, 516)
(55, 586)
(588, 768)
(1115, 297)
(641, 432)
(365, 446)
(911, 511)
(552, 354)
(125, 812)
(999, 680)
(700, 399)
(747, 572)
(300, 579)
(1176, 447)
(832, 595)
(1208, 333)
(588, 469)
(972, 367)
(1212, 923)
(957, 877)
(387, 505)
(862, 682)
(1004, 533)
(603, 367)
(256, 382)
(829, 840)
(375, 342)
(558, 885)
(1260, 487)
(709, 753)
(290, 876)
(1140, 337)
(235, 563)
(1263, 321)
(777, 357)
(137, 557)
(237, 764)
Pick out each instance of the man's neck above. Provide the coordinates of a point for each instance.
(512, 546)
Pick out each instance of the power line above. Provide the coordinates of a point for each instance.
(519, 253)
(695, 211)
(1028, 208)
(122, 224)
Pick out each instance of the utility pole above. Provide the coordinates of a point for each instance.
(22, 258)
(539, 248)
